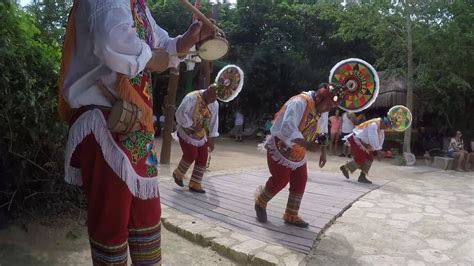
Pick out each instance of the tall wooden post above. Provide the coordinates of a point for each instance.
(170, 107)
(205, 74)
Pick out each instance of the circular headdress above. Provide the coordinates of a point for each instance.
(229, 81)
(400, 117)
(361, 80)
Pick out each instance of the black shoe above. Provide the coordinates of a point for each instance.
(197, 190)
(344, 171)
(363, 179)
(178, 181)
(299, 223)
(261, 213)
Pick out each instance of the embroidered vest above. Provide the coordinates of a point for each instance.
(139, 145)
(308, 127)
(201, 116)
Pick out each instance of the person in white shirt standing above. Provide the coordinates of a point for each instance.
(365, 139)
(198, 122)
(239, 125)
(110, 49)
(295, 130)
(347, 125)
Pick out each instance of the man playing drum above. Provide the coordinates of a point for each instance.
(110, 49)
(295, 130)
(198, 122)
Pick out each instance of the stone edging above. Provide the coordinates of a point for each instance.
(238, 247)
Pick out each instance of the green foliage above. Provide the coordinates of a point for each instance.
(50, 17)
(442, 44)
(282, 46)
(31, 134)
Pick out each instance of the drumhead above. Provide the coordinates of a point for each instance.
(213, 49)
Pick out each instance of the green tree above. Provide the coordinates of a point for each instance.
(30, 133)
(50, 17)
(402, 34)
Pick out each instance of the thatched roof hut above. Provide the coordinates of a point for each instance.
(393, 91)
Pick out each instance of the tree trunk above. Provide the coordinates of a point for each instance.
(410, 83)
(169, 116)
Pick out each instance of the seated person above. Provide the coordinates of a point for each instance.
(456, 150)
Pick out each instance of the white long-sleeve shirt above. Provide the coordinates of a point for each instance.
(347, 126)
(323, 122)
(184, 118)
(370, 135)
(286, 126)
(106, 44)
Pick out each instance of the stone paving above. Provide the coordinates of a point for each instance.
(424, 218)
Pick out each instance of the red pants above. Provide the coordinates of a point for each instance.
(280, 176)
(196, 155)
(115, 217)
(361, 159)
(360, 156)
(193, 154)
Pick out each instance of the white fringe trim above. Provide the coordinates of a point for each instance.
(262, 147)
(174, 136)
(93, 121)
(279, 158)
(189, 140)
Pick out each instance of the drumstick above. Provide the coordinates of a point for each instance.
(105, 91)
(199, 14)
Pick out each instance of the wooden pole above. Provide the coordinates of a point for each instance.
(205, 74)
(169, 116)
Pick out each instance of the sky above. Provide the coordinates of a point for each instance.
(24, 2)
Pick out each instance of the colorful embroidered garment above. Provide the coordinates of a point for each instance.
(201, 116)
(145, 245)
(139, 146)
(308, 127)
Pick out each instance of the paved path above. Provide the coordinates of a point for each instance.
(229, 202)
(424, 218)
